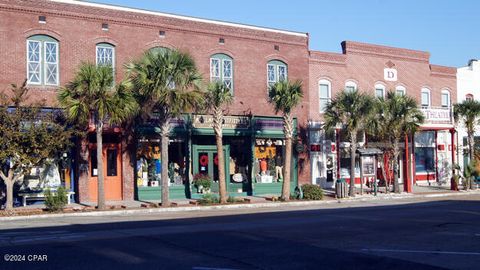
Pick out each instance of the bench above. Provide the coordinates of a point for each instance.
(38, 196)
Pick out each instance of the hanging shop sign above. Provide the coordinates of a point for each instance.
(229, 122)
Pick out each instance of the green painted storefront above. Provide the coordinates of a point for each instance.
(193, 137)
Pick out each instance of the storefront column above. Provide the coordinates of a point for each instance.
(82, 171)
(436, 156)
(452, 143)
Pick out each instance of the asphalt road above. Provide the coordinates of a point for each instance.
(438, 234)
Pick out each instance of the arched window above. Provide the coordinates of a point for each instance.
(379, 90)
(425, 97)
(277, 71)
(105, 53)
(324, 94)
(42, 60)
(469, 97)
(400, 90)
(445, 98)
(350, 86)
(221, 69)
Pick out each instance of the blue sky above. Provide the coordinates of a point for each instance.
(449, 30)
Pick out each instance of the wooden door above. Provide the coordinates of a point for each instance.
(112, 162)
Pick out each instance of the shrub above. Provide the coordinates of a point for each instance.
(56, 201)
(231, 199)
(208, 199)
(312, 192)
(203, 180)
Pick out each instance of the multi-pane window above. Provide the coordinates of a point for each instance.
(379, 91)
(324, 94)
(400, 90)
(42, 60)
(221, 69)
(276, 72)
(105, 54)
(425, 97)
(445, 98)
(350, 87)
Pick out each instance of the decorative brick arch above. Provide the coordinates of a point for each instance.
(45, 32)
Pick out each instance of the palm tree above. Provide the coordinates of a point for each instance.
(469, 113)
(397, 116)
(285, 96)
(165, 82)
(352, 110)
(93, 95)
(217, 96)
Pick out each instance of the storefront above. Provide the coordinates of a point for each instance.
(254, 151)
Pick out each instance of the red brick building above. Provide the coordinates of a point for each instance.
(378, 69)
(46, 41)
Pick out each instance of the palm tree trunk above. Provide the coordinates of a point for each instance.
(221, 170)
(287, 174)
(165, 130)
(396, 185)
(100, 177)
(217, 127)
(471, 145)
(288, 130)
(353, 153)
(384, 172)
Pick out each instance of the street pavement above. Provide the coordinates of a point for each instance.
(426, 233)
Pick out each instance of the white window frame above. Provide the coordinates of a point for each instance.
(447, 93)
(40, 65)
(47, 63)
(401, 89)
(221, 70)
(350, 84)
(427, 91)
(380, 86)
(329, 92)
(276, 64)
(102, 46)
(213, 76)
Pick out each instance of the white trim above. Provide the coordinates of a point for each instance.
(350, 83)
(99, 45)
(56, 63)
(329, 98)
(39, 62)
(425, 90)
(155, 13)
(445, 91)
(401, 88)
(380, 86)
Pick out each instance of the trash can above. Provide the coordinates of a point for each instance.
(341, 189)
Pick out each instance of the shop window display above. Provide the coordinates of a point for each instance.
(149, 163)
(269, 160)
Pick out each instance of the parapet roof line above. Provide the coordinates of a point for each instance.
(156, 13)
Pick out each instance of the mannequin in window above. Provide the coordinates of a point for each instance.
(278, 168)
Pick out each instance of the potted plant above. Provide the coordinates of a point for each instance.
(202, 182)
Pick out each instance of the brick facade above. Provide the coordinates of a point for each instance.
(78, 28)
(364, 64)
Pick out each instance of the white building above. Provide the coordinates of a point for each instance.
(468, 87)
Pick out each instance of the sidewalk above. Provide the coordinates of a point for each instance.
(134, 207)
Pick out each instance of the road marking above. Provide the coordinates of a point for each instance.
(421, 251)
(210, 268)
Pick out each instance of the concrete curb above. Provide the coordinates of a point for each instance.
(363, 198)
